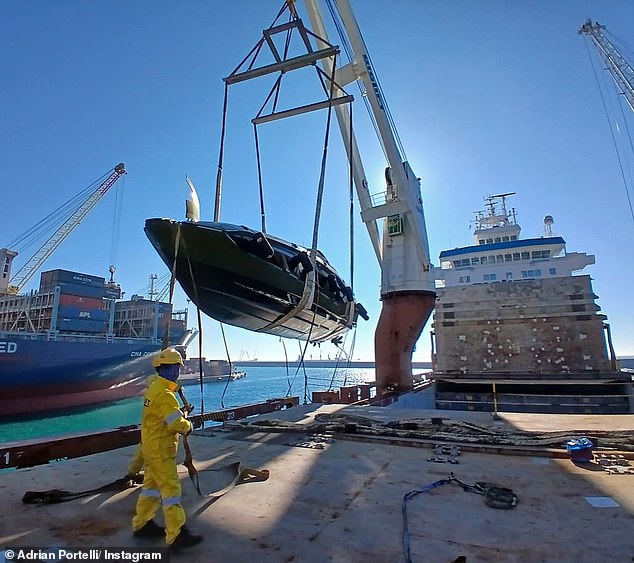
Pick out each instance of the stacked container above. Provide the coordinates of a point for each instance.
(81, 304)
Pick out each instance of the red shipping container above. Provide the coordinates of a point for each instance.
(66, 300)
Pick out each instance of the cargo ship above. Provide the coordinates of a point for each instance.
(76, 342)
(517, 326)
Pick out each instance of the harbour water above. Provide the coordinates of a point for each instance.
(260, 384)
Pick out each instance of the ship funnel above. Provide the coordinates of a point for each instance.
(192, 206)
(548, 223)
(6, 257)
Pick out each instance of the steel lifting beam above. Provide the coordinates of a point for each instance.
(302, 109)
(284, 66)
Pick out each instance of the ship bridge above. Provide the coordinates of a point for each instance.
(510, 260)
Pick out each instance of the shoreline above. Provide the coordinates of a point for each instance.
(319, 364)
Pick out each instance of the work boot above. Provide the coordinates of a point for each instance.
(150, 530)
(185, 539)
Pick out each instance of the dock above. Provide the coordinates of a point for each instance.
(339, 496)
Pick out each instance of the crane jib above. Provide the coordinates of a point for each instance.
(29, 269)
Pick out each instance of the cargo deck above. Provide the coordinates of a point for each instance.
(339, 498)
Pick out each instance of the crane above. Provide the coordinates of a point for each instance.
(400, 243)
(407, 282)
(622, 74)
(19, 280)
(620, 70)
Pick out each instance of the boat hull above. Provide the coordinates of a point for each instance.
(241, 278)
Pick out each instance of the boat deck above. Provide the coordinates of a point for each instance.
(341, 499)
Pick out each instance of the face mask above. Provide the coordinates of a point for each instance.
(170, 372)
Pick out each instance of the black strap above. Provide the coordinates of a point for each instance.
(53, 496)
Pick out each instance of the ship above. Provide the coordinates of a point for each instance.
(517, 327)
(256, 281)
(75, 342)
(214, 371)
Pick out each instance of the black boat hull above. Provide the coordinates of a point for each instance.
(243, 278)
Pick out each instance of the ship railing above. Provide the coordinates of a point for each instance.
(23, 335)
(55, 335)
(379, 198)
(382, 198)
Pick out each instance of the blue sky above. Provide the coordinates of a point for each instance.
(488, 97)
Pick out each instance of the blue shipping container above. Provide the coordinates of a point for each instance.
(69, 312)
(54, 277)
(112, 293)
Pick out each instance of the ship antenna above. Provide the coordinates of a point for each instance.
(504, 212)
(490, 204)
(479, 215)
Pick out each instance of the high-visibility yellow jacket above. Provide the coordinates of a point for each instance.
(162, 420)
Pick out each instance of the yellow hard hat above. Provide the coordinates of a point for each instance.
(169, 356)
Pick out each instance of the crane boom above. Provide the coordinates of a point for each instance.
(30, 268)
(407, 280)
(404, 230)
(620, 70)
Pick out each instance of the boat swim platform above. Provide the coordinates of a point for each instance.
(332, 497)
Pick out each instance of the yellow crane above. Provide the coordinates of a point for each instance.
(13, 284)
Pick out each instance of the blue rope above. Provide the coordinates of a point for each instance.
(407, 497)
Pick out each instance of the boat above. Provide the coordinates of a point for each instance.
(214, 371)
(256, 281)
(518, 312)
(194, 378)
(75, 342)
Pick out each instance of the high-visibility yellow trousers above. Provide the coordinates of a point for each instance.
(136, 463)
(160, 486)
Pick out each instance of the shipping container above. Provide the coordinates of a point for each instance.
(82, 313)
(112, 292)
(80, 301)
(80, 325)
(51, 278)
(82, 290)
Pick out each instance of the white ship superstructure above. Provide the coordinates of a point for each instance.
(519, 312)
(500, 255)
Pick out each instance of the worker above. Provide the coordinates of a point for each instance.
(136, 463)
(161, 422)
